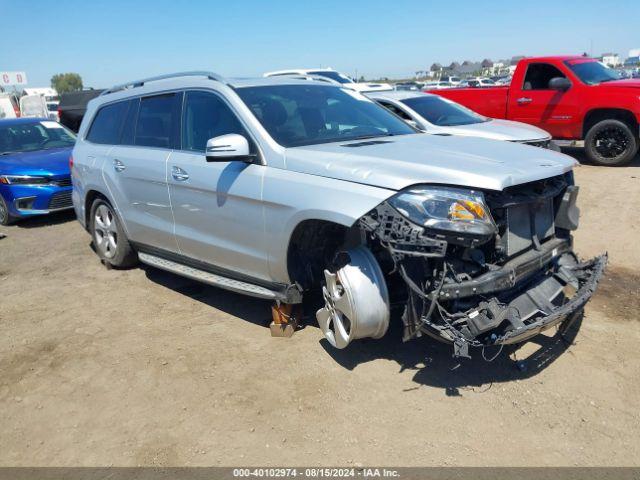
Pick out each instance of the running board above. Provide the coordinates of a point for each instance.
(210, 278)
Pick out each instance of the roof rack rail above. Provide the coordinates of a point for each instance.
(140, 83)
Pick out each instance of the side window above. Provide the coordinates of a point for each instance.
(107, 124)
(157, 119)
(398, 111)
(206, 116)
(538, 76)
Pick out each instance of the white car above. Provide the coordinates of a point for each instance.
(333, 75)
(440, 116)
(438, 85)
(477, 82)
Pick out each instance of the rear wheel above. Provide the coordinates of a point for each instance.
(611, 143)
(5, 217)
(109, 239)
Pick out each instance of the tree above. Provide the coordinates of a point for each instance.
(66, 82)
(436, 67)
(454, 66)
(486, 63)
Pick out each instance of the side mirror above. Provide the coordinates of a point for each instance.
(559, 83)
(414, 124)
(226, 148)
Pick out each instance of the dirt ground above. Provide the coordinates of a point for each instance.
(142, 367)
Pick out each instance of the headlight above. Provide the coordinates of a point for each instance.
(450, 210)
(23, 180)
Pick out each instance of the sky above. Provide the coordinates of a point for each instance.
(112, 41)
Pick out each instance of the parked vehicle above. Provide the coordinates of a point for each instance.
(51, 98)
(279, 188)
(34, 168)
(34, 106)
(335, 76)
(477, 82)
(7, 109)
(437, 85)
(408, 86)
(441, 116)
(451, 79)
(580, 101)
(73, 106)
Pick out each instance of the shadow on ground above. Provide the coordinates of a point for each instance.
(431, 361)
(51, 219)
(579, 154)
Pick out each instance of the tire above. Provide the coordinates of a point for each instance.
(109, 240)
(611, 143)
(5, 217)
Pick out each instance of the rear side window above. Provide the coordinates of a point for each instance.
(158, 120)
(107, 124)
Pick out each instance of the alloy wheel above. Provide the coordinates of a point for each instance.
(106, 231)
(611, 142)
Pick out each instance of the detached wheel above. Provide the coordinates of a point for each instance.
(611, 143)
(5, 216)
(109, 239)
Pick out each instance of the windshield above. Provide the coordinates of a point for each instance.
(591, 71)
(296, 115)
(29, 137)
(442, 112)
(338, 77)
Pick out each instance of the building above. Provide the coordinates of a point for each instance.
(611, 59)
(635, 52)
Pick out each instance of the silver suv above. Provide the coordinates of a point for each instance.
(279, 188)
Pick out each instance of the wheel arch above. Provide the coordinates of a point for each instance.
(599, 114)
(312, 243)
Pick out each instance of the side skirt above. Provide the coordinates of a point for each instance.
(217, 277)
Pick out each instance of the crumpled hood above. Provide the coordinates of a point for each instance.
(42, 162)
(399, 162)
(505, 130)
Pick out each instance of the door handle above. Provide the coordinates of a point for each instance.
(179, 174)
(523, 100)
(118, 166)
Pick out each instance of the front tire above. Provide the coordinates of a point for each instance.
(5, 217)
(611, 143)
(110, 241)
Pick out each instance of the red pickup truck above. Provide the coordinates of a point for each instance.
(578, 100)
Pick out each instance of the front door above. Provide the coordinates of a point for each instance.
(217, 206)
(535, 103)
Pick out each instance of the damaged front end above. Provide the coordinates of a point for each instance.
(484, 268)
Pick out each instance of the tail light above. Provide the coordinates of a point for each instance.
(70, 162)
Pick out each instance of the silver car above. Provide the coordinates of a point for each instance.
(280, 188)
(441, 116)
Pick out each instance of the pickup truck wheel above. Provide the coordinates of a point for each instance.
(109, 239)
(611, 143)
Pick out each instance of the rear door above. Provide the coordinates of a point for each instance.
(136, 169)
(532, 101)
(217, 206)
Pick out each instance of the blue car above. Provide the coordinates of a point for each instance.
(34, 168)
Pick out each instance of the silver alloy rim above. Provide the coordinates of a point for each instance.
(106, 233)
(3, 212)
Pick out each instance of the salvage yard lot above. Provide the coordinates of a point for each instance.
(141, 367)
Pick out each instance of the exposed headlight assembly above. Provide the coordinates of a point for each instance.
(23, 180)
(450, 211)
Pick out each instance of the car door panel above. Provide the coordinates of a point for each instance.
(218, 212)
(137, 179)
(552, 110)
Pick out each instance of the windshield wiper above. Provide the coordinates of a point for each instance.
(365, 137)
